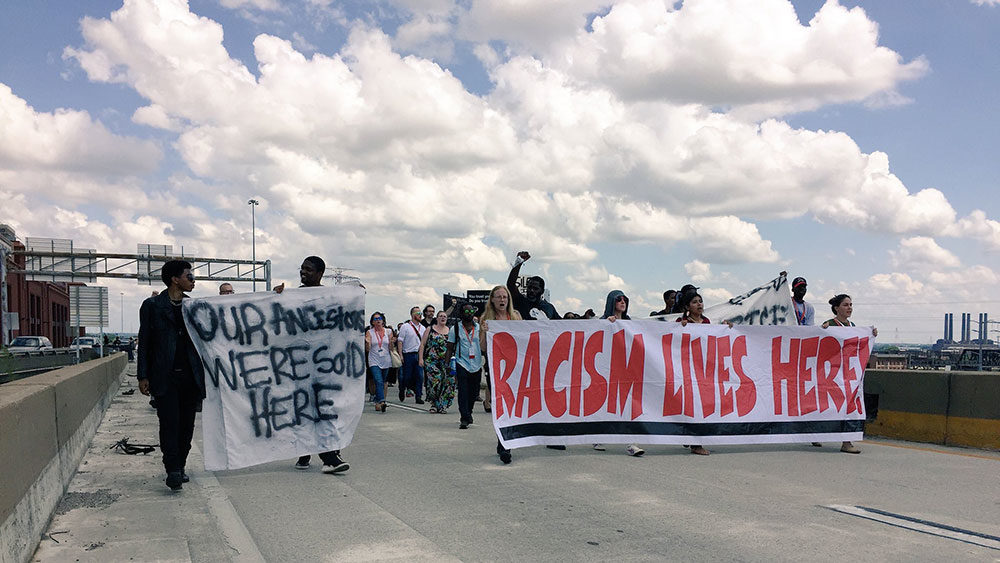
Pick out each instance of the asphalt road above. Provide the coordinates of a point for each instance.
(420, 489)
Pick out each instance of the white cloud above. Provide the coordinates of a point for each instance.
(713, 52)
(698, 271)
(986, 2)
(267, 5)
(922, 253)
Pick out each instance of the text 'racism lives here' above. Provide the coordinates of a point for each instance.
(309, 371)
(808, 377)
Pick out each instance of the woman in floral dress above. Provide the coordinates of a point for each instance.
(439, 385)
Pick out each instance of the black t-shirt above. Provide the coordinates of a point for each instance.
(533, 311)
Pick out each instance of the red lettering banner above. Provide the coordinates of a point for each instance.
(581, 382)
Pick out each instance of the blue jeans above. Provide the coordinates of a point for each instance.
(378, 376)
(411, 375)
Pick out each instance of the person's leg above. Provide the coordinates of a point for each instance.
(168, 413)
(378, 379)
(190, 400)
(418, 383)
(462, 381)
(406, 374)
(475, 381)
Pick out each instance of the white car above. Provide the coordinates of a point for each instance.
(29, 344)
(86, 342)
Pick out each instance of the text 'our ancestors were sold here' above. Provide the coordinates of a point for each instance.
(284, 372)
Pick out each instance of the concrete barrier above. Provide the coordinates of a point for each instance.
(952, 408)
(46, 424)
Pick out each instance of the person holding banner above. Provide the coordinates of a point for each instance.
(805, 314)
(433, 358)
(169, 368)
(311, 275)
(615, 308)
(499, 307)
(842, 308)
(692, 309)
(411, 375)
(464, 344)
(379, 342)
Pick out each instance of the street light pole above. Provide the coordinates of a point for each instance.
(123, 312)
(253, 203)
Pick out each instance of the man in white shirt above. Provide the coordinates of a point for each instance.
(411, 375)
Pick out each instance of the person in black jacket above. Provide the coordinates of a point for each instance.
(169, 368)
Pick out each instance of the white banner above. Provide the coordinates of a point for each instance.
(651, 382)
(769, 304)
(284, 373)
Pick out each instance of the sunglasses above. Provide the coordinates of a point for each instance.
(621, 298)
(377, 319)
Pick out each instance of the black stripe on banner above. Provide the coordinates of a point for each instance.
(680, 428)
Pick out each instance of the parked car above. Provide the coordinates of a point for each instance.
(29, 344)
(86, 342)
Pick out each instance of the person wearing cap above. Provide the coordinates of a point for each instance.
(805, 315)
(688, 289)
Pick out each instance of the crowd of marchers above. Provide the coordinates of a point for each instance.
(428, 358)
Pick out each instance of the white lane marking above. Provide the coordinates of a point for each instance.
(233, 529)
(918, 525)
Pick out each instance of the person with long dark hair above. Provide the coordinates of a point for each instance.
(616, 308)
(843, 308)
(692, 311)
(379, 342)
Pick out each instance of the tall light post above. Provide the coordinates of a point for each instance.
(123, 312)
(253, 203)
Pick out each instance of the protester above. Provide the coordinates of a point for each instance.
(669, 300)
(170, 370)
(693, 308)
(226, 289)
(411, 376)
(805, 314)
(686, 290)
(464, 343)
(842, 308)
(532, 305)
(616, 308)
(499, 307)
(311, 275)
(395, 360)
(379, 341)
(428, 318)
(433, 358)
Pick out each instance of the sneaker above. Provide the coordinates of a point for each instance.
(505, 456)
(557, 447)
(184, 477)
(817, 445)
(849, 448)
(301, 465)
(634, 450)
(338, 466)
(599, 447)
(409, 393)
(175, 480)
(420, 401)
(463, 425)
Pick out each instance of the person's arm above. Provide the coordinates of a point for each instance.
(420, 352)
(451, 306)
(145, 341)
(515, 294)
(399, 342)
(452, 344)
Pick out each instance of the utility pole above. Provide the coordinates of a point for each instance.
(3, 295)
(253, 203)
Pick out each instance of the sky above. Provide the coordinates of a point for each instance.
(635, 145)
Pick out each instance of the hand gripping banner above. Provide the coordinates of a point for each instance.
(284, 373)
(653, 382)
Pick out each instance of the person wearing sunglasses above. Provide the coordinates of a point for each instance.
(169, 369)
(616, 308)
(379, 341)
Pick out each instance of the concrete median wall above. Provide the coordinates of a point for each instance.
(953, 408)
(46, 424)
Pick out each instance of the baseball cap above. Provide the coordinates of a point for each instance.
(798, 281)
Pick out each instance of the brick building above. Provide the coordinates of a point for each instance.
(42, 307)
